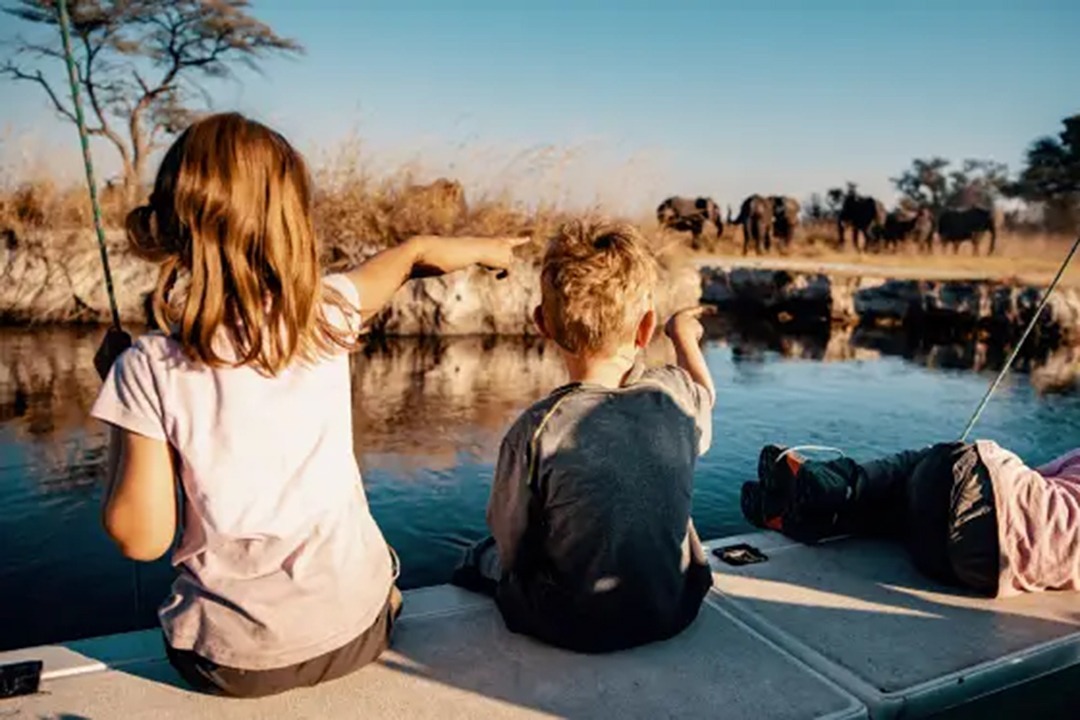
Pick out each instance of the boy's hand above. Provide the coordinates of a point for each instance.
(112, 345)
(441, 255)
(686, 325)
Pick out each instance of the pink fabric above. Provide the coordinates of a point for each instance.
(1038, 521)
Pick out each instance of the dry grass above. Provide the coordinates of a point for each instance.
(40, 204)
(358, 211)
(1029, 258)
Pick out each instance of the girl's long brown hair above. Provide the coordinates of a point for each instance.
(230, 214)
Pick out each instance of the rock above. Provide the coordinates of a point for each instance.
(1060, 373)
(992, 306)
(475, 302)
(773, 292)
(63, 281)
(59, 279)
(893, 299)
(470, 302)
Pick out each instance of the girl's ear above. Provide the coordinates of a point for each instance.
(538, 318)
(646, 328)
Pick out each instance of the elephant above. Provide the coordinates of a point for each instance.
(904, 225)
(785, 220)
(690, 214)
(956, 226)
(756, 216)
(864, 215)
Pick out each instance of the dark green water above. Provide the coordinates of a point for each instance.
(428, 420)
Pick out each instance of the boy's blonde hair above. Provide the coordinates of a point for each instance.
(596, 284)
(230, 214)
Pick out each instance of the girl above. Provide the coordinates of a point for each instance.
(284, 579)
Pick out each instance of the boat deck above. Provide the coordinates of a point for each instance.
(842, 630)
(858, 612)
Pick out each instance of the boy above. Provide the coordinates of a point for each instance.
(590, 504)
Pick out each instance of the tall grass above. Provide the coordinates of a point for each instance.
(363, 205)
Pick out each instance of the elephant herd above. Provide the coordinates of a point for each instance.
(761, 218)
(863, 218)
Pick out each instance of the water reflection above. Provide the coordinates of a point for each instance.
(428, 419)
(408, 393)
(1052, 369)
(47, 379)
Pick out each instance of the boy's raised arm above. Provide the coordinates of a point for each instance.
(685, 330)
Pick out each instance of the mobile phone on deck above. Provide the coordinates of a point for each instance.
(740, 554)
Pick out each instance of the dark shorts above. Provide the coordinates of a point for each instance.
(207, 676)
(540, 610)
(952, 522)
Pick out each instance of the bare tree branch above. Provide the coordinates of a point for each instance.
(120, 41)
(12, 71)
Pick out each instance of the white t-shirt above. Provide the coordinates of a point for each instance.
(279, 560)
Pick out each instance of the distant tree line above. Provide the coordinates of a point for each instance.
(1048, 183)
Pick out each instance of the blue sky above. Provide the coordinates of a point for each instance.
(718, 98)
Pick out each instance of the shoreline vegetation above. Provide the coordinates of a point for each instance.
(51, 267)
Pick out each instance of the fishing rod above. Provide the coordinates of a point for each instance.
(1016, 350)
(84, 138)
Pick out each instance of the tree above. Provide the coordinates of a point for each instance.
(137, 62)
(979, 183)
(924, 183)
(815, 208)
(1052, 177)
(930, 183)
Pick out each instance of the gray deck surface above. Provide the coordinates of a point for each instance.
(859, 611)
(452, 658)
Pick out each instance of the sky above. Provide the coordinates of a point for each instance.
(626, 102)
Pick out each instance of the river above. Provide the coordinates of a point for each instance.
(428, 418)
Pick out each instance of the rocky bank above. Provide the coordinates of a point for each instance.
(62, 282)
(991, 306)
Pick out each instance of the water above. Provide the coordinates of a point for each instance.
(428, 420)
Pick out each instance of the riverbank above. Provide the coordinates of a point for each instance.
(923, 299)
(62, 282)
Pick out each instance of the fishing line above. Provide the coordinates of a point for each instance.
(1016, 350)
(64, 21)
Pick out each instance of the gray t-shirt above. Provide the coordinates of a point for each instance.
(590, 511)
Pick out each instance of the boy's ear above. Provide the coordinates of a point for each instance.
(646, 328)
(538, 318)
